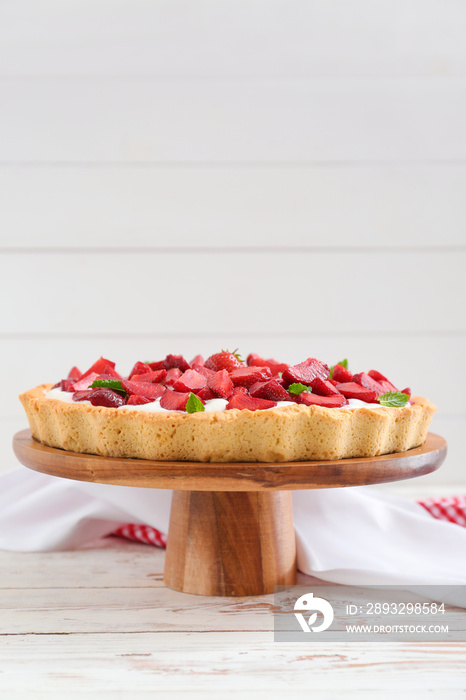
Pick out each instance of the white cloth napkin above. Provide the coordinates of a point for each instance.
(353, 536)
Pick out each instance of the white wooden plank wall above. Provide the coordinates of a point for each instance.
(286, 177)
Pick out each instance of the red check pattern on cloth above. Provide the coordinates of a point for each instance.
(451, 508)
(142, 533)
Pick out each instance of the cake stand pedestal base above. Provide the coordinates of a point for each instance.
(231, 524)
(223, 543)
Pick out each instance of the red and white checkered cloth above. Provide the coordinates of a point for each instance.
(451, 508)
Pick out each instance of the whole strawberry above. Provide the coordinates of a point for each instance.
(224, 360)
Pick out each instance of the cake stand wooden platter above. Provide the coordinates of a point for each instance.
(231, 524)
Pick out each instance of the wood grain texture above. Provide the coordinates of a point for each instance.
(247, 476)
(230, 544)
(70, 640)
(231, 525)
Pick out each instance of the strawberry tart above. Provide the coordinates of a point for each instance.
(226, 410)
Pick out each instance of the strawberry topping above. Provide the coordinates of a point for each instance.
(178, 361)
(309, 399)
(355, 391)
(368, 383)
(383, 381)
(323, 387)
(305, 372)
(340, 374)
(84, 382)
(102, 365)
(220, 384)
(271, 390)
(146, 389)
(172, 376)
(256, 385)
(106, 397)
(223, 360)
(157, 377)
(206, 394)
(242, 401)
(82, 395)
(74, 373)
(247, 376)
(203, 370)
(139, 368)
(174, 401)
(254, 360)
(190, 381)
(134, 400)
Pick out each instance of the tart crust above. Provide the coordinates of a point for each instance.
(282, 434)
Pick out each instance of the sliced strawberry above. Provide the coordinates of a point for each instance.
(74, 373)
(240, 390)
(106, 397)
(170, 362)
(333, 381)
(247, 376)
(174, 401)
(368, 383)
(309, 399)
(243, 401)
(221, 384)
(66, 384)
(223, 360)
(85, 381)
(178, 361)
(151, 377)
(190, 381)
(305, 372)
(355, 391)
(341, 374)
(198, 360)
(134, 400)
(383, 381)
(271, 390)
(139, 368)
(146, 389)
(206, 394)
(111, 372)
(172, 376)
(406, 391)
(82, 395)
(323, 387)
(154, 366)
(203, 370)
(100, 366)
(254, 360)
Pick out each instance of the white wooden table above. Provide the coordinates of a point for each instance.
(100, 622)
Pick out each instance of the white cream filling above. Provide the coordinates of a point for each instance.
(211, 406)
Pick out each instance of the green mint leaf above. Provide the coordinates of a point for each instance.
(194, 404)
(394, 399)
(114, 384)
(297, 388)
(343, 363)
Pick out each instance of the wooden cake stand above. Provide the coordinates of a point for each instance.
(231, 524)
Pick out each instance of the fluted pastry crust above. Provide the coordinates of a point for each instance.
(285, 434)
